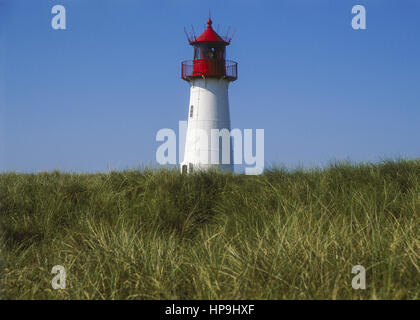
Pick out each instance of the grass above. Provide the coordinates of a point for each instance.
(160, 235)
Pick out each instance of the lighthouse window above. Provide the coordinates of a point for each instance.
(212, 55)
(196, 53)
(220, 53)
(191, 111)
(204, 51)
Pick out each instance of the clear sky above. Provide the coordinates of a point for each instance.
(94, 95)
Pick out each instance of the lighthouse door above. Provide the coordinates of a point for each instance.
(184, 169)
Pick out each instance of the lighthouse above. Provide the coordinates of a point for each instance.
(208, 143)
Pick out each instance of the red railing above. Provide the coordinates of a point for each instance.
(209, 68)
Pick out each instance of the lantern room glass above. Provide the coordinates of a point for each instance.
(208, 51)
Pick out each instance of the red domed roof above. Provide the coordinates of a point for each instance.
(209, 35)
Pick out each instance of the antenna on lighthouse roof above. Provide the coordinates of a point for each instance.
(190, 36)
(227, 33)
(187, 35)
(233, 33)
(192, 27)
(209, 22)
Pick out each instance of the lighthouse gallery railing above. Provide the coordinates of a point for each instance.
(212, 68)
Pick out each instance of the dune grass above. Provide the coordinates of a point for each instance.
(161, 235)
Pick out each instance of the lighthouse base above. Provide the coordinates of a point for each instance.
(190, 167)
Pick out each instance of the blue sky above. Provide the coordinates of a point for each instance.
(94, 95)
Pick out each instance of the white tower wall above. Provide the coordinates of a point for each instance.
(208, 109)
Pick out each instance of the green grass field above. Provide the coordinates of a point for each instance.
(160, 235)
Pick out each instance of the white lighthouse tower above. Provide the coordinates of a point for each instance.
(208, 143)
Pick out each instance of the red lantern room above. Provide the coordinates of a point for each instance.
(209, 57)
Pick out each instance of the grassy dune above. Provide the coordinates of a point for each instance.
(160, 235)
